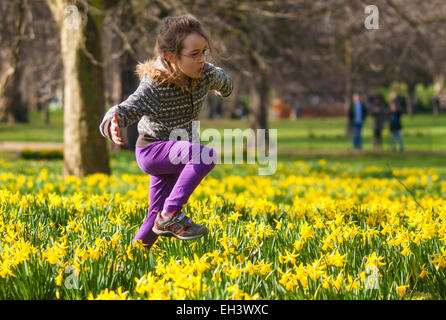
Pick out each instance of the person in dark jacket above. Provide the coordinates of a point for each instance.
(379, 113)
(395, 126)
(357, 114)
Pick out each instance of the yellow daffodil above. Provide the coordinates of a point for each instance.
(402, 290)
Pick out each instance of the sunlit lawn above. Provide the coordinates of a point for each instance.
(420, 132)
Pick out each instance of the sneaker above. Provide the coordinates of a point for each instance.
(179, 226)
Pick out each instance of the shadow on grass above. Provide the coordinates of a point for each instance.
(124, 161)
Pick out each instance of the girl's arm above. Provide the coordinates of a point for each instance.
(141, 102)
(219, 80)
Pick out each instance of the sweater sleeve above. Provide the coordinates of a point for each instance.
(141, 102)
(219, 80)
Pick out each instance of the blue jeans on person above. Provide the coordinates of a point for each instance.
(357, 137)
(397, 138)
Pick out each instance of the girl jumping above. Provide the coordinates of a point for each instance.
(170, 96)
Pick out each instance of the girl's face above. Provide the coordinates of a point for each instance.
(192, 56)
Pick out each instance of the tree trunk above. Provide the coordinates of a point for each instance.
(10, 98)
(129, 80)
(409, 103)
(12, 107)
(85, 149)
(348, 83)
(233, 99)
(32, 96)
(129, 84)
(45, 112)
(113, 82)
(438, 86)
(258, 104)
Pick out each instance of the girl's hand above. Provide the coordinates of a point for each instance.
(217, 93)
(116, 138)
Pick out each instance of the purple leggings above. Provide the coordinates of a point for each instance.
(170, 184)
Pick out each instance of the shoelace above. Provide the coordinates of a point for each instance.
(180, 216)
(187, 220)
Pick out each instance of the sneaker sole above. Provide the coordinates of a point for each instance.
(171, 234)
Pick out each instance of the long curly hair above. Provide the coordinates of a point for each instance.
(170, 36)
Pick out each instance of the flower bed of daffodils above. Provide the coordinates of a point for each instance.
(310, 231)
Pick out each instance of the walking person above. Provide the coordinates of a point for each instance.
(395, 126)
(169, 97)
(357, 114)
(379, 113)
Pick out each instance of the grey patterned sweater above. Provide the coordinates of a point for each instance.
(160, 108)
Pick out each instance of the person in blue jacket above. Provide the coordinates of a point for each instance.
(357, 114)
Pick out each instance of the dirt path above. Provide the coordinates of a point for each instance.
(19, 146)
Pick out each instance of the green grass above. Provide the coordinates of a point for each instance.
(298, 140)
(420, 132)
(35, 130)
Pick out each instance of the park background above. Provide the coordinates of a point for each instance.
(295, 66)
